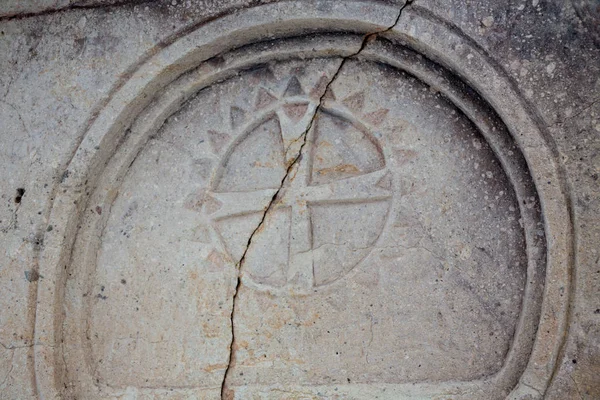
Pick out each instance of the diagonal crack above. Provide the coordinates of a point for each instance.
(303, 137)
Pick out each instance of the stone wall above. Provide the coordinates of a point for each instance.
(300, 199)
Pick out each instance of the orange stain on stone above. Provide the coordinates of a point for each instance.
(343, 168)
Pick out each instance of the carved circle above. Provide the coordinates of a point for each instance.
(419, 45)
(360, 185)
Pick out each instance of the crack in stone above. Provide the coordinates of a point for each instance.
(366, 39)
(578, 113)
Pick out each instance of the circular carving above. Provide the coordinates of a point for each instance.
(413, 191)
(344, 170)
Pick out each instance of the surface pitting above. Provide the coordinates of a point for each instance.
(395, 245)
(345, 200)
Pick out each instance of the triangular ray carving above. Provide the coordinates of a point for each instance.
(211, 205)
(377, 117)
(329, 95)
(264, 98)
(201, 198)
(201, 234)
(385, 182)
(319, 88)
(293, 88)
(217, 140)
(238, 116)
(355, 102)
(295, 112)
(262, 74)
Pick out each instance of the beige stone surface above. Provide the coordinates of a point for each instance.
(299, 200)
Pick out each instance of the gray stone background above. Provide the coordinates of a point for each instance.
(61, 59)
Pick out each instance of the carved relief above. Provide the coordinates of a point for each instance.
(344, 170)
(403, 252)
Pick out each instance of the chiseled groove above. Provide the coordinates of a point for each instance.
(366, 39)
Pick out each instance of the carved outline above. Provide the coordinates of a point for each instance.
(273, 113)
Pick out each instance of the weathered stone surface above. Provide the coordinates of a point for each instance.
(348, 200)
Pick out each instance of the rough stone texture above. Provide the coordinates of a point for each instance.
(393, 207)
